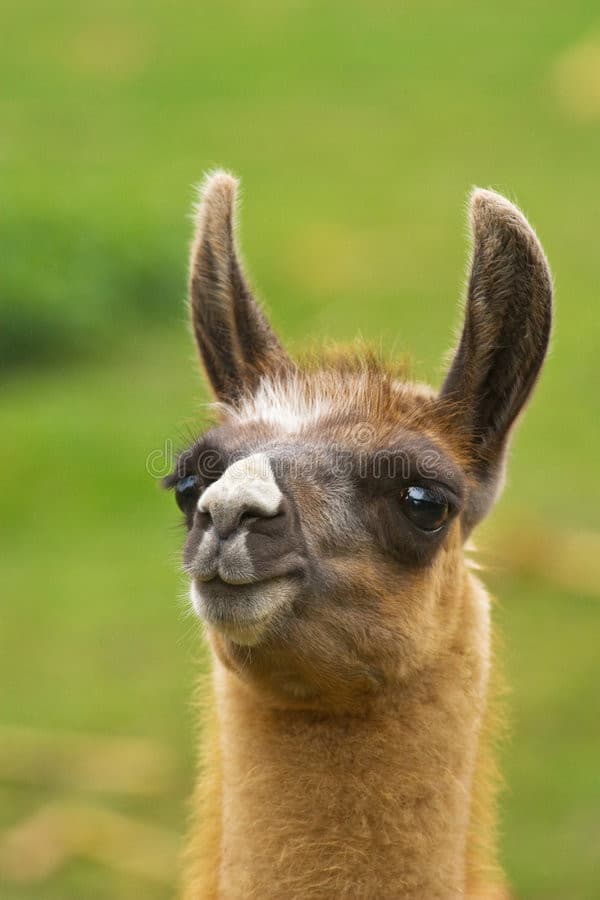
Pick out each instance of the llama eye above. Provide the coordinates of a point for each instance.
(426, 508)
(186, 492)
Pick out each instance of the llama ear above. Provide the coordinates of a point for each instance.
(506, 331)
(236, 343)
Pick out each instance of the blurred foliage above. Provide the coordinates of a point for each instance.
(358, 130)
(64, 289)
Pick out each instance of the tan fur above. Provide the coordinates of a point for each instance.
(378, 804)
(374, 802)
(348, 751)
(202, 861)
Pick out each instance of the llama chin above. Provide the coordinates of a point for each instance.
(245, 614)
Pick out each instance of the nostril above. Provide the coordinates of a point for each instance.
(250, 513)
(226, 519)
(204, 518)
(254, 513)
(247, 516)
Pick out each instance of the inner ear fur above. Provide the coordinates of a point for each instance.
(237, 345)
(505, 335)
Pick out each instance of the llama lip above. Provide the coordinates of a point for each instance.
(228, 588)
(225, 577)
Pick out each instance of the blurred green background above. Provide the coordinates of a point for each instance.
(358, 129)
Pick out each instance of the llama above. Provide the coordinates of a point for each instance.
(347, 749)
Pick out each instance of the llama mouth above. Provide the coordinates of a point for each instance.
(241, 612)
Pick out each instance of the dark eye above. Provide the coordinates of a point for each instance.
(426, 508)
(187, 492)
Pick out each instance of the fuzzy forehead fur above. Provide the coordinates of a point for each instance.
(346, 393)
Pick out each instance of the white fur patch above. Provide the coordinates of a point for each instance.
(248, 483)
(285, 405)
(295, 403)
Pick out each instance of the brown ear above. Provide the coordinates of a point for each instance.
(506, 330)
(236, 343)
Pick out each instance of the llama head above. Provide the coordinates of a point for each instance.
(328, 508)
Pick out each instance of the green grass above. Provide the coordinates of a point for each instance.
(358, 131)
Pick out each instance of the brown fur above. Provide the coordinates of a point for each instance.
(350, 752)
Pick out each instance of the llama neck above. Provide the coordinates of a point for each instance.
(315, 806)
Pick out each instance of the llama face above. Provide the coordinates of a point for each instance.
(328, 508)
(269, 507)
(305, 535)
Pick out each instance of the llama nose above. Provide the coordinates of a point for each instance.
(247, 490)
